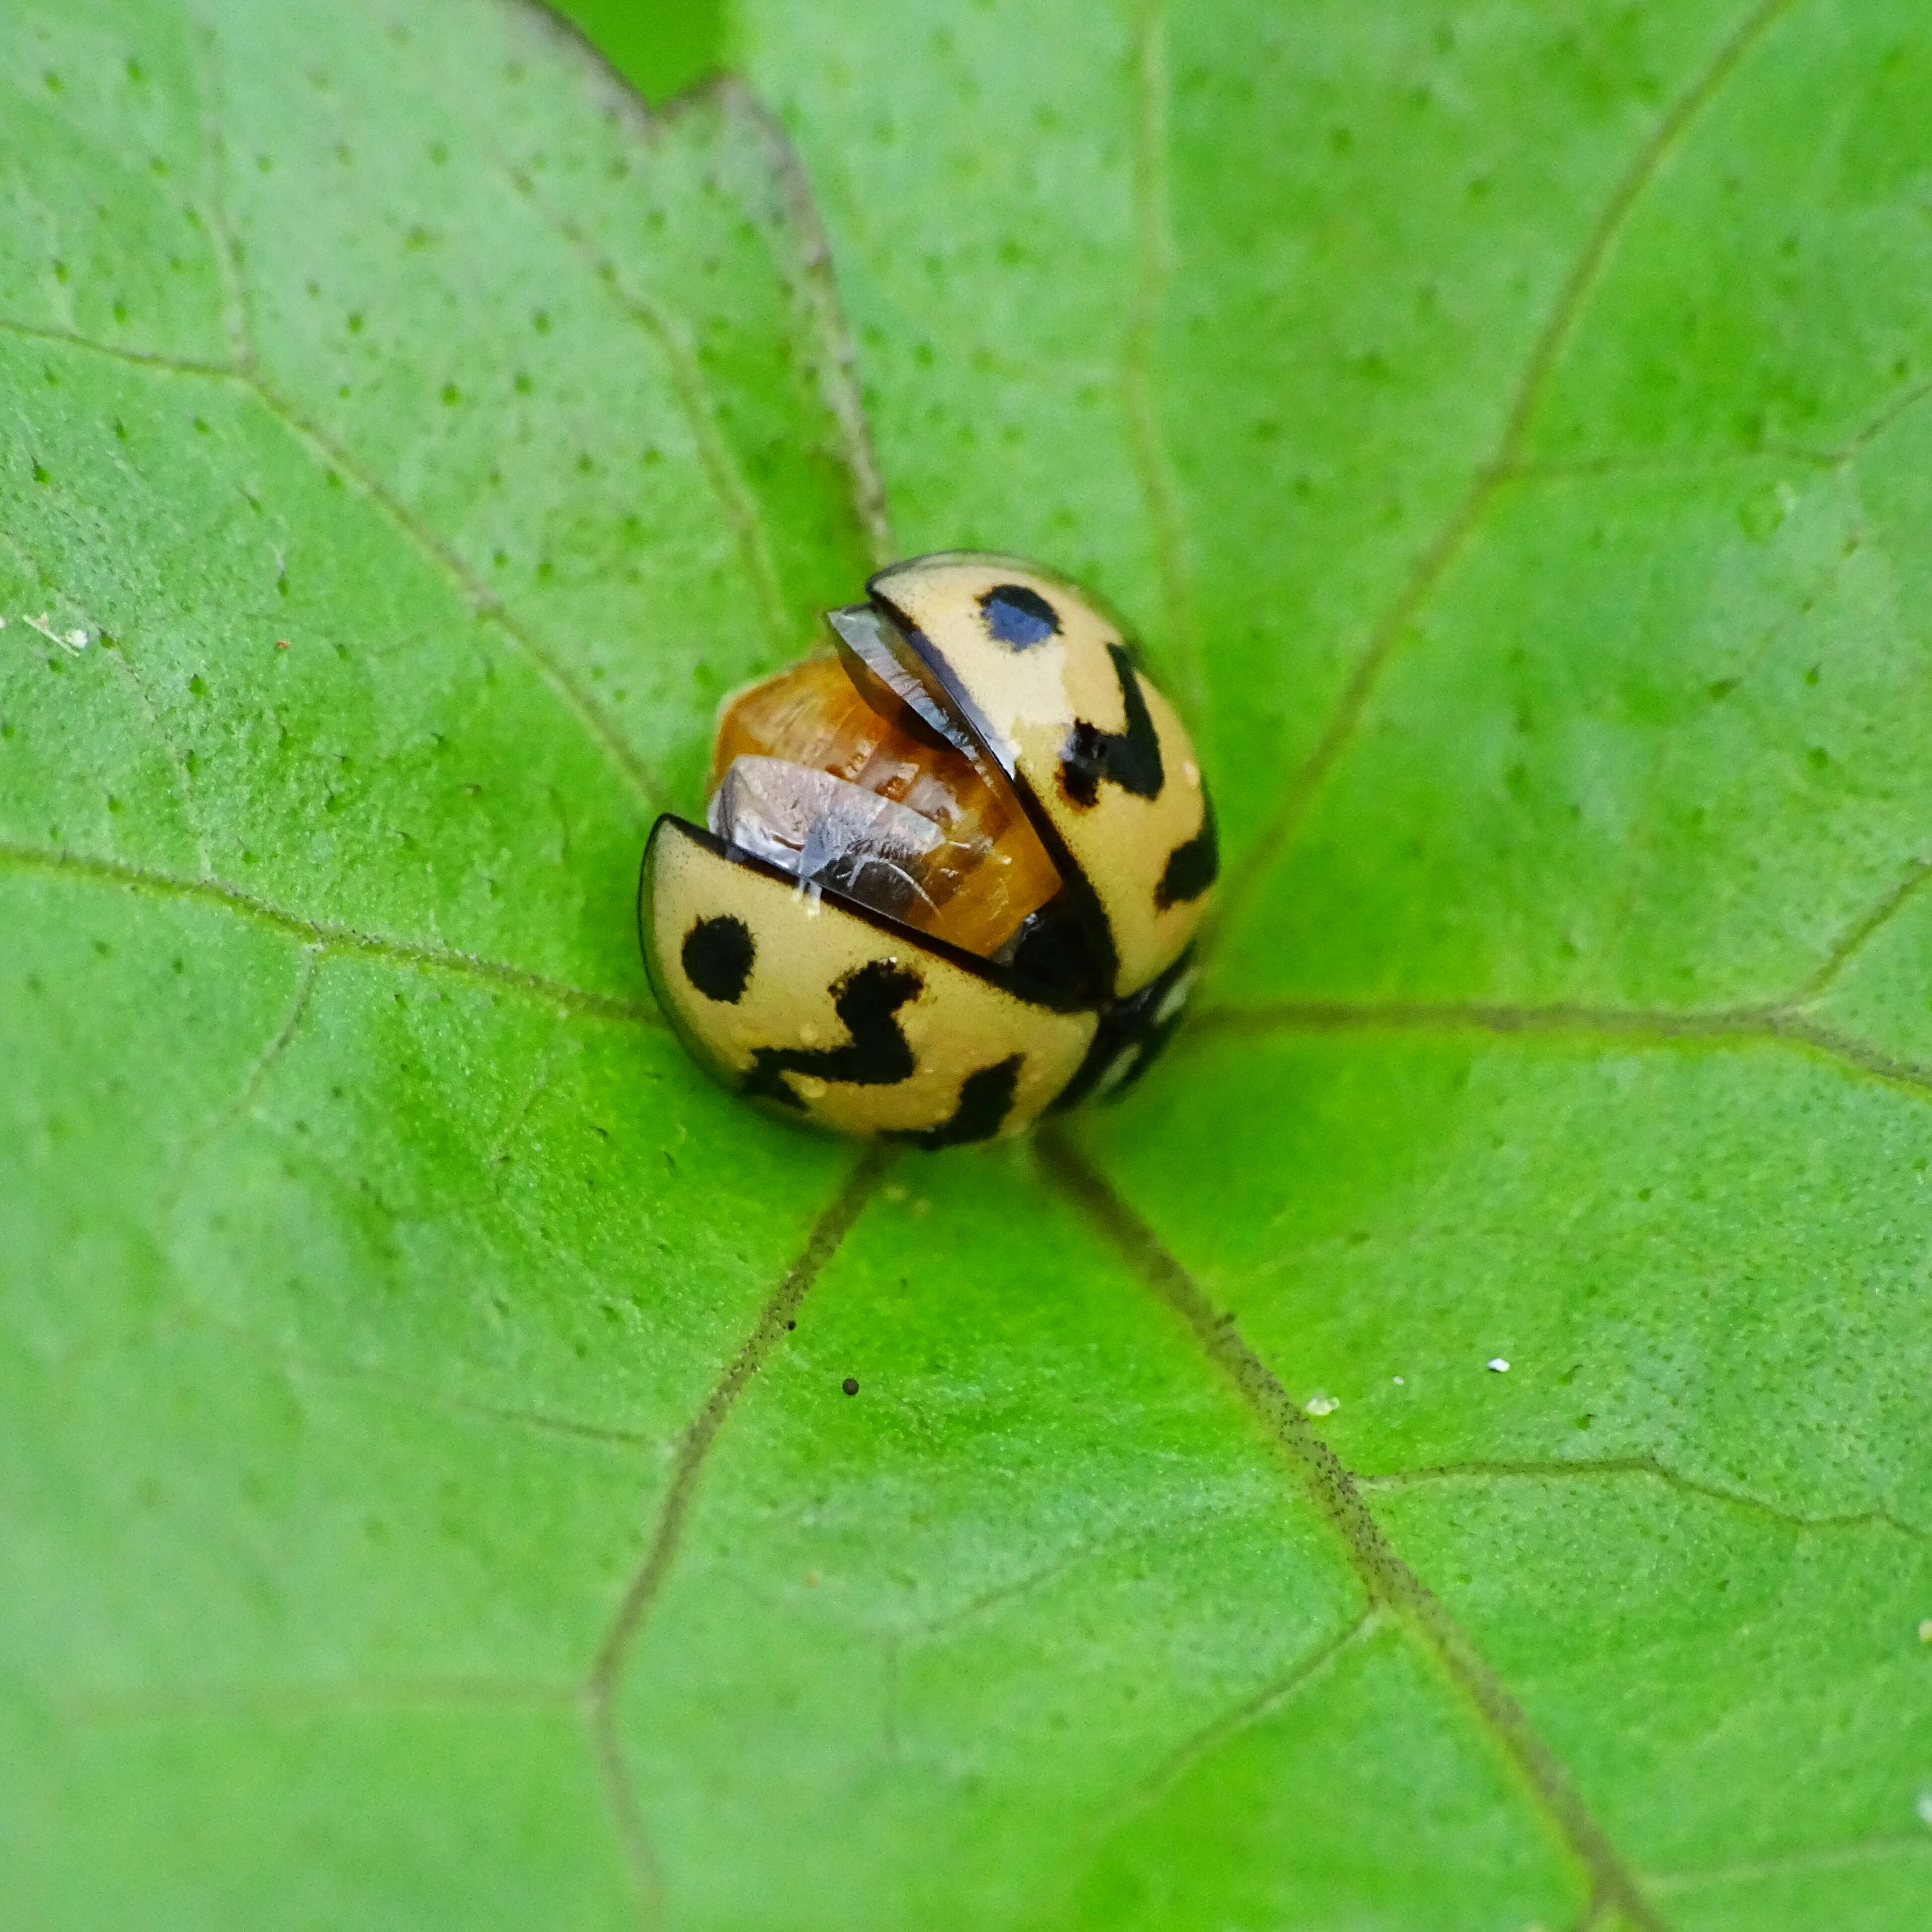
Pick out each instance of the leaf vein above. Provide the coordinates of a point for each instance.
(647, 1580)
(1781, 1024)
(446, 560)
(1864, 929)
(1860, 1852)
(247, 372)
(328, 936)
(1433, 565)
(838, 366)
(293, 1364)
(142, 358)
(1563, 1469)
(450, 563)
(1250, 1711)
(195, 1144)
(1153, 460)
(735, 498)
(1332, 1490)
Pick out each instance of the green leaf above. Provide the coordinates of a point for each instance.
(418, 1506)
(661, 49)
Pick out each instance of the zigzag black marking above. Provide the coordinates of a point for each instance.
(1192, 868)
(1130, 759)
(985, 1098)
(877, 1055)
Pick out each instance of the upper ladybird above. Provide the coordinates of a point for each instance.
(949, 875)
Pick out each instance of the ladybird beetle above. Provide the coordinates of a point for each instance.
(949, 877)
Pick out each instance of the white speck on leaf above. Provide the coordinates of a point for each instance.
(1323, 1405)
(1497, 1366)
(1924, 1808)
(1398, 1380)
(74, 642)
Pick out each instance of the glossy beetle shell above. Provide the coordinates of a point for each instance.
(827, 1009)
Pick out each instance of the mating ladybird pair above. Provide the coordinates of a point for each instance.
(948, 878)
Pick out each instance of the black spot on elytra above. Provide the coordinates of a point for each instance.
(985, 1098)
(1131, 1036)
(1018, 617)
(1130, 759)
(877, 1055)
(1192, 868)
(718, 955)
(1062, 951)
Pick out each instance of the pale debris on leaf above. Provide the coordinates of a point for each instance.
(1497, 1366)
(1323, 1405)
(74, 642)
(1924, 1808)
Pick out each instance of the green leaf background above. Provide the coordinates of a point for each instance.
(1506, 422)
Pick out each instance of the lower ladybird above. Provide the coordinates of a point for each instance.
(950, 875)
